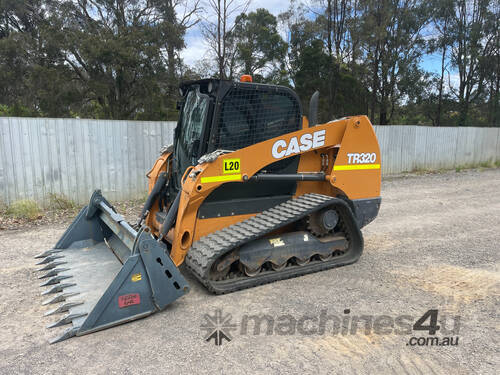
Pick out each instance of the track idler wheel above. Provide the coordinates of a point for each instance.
(322, 222)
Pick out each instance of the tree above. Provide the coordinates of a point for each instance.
(115, 52)
(393, 45)
(473, 39)
(121, 58)
(259, 47)
(18, 26)
(491, 66)
(176, 17)
(441, 18)
(334, 21)
(217, 29)
(309, 61)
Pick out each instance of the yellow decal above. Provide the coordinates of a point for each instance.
(276, 242)
(136, 277)
(231, 177)
(231, 166)
(355, 167)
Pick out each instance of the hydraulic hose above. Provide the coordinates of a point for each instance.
(171, 215)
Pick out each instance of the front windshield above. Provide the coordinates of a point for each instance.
(189, 131)
(193, 115)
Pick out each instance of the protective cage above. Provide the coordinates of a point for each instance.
(104, 273)
(249, 115)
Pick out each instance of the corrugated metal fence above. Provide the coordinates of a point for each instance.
(410, 148)
(72, 157)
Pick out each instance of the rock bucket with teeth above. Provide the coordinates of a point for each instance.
(103, 273)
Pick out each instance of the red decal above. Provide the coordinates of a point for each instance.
(129, 299)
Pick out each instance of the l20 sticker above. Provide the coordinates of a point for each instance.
(231, 166)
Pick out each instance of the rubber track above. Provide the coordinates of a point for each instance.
(208, 249)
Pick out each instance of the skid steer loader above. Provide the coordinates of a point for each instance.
(250, 192)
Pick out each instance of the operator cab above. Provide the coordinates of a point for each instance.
(226, 115)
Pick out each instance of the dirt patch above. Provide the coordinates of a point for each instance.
(464, 285)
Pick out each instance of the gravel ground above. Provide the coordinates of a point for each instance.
(435, 245)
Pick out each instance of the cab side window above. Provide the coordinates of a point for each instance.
(250, 116)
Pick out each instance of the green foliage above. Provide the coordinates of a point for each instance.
(486, 164)
(258, 43)
(24, 209)
(3, 208)
(311, 65)
(16, 110)
(120, 59)
(60, 202)
(97, 59)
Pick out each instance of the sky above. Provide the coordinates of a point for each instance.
(196, 49)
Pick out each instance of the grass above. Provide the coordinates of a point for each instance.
(24, 209)
(55, 208)
(420, 171)
(3, 208)
(459, 168)
(486, 164)
(60, 202)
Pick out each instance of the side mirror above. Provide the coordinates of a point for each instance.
(313, 109)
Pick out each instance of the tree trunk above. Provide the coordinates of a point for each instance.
(494, 115)
(219, 41)
(171, 64)
(171, 67)
(330, 60)
(496, 98)
(463, 105)
(463, 111)
(383, 99)
(374, 85)
(440, 95)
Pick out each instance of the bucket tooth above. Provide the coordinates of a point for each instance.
(62, 308)
(55, 280)
(51, 265)
(49, 259)
(59, 298)
(53, 272)
(47, 253)
(67, 334)
(66, 319)
(57, 288)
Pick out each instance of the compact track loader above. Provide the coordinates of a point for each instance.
(250, 192)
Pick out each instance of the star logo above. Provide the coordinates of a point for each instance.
(218, 327)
